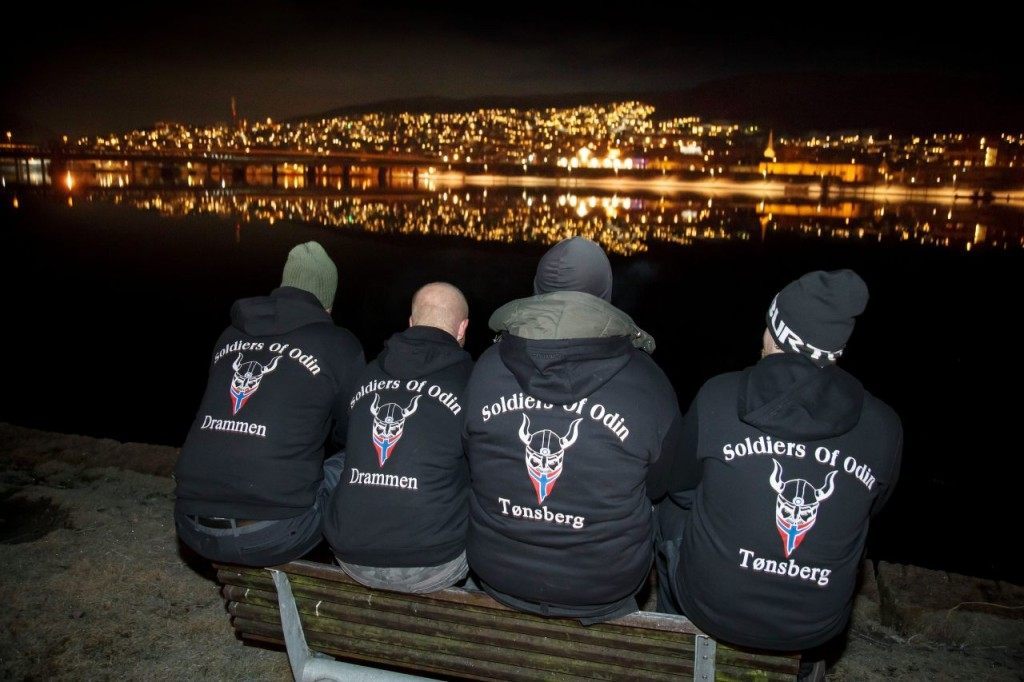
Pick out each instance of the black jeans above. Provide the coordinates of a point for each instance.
(669, 521)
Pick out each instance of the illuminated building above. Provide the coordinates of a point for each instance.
(847, 172)
(769, 151)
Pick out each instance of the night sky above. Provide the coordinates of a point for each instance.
(93, 69)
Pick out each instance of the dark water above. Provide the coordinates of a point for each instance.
(112, 304)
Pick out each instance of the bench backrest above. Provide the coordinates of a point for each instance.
(459, 633)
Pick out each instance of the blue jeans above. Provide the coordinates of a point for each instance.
(264, 543)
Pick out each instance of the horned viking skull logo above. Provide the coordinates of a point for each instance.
(388, 423)
(545, 455)
(796, 506)
(246, 380)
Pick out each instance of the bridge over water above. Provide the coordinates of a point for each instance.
(223, 163)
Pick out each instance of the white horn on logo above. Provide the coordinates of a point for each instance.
(238, 363)
(375, 405)
(272, 366)
(524, 431)
(571, 435)
(823, 494)
(776, 480)
(413, 404)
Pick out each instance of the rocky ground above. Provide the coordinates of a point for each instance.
(95, 586)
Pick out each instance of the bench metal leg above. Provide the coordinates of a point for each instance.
(308, 666)
(704, 651)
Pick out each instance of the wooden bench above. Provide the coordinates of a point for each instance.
(457, 633)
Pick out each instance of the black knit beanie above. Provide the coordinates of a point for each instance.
(575, 264)
(814, 315)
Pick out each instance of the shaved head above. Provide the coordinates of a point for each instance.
(441, 305)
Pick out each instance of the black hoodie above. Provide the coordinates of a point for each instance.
(794, 461)
(560, 435)
(279, 375)
(402, 497)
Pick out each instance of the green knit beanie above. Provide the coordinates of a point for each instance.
(310, 268)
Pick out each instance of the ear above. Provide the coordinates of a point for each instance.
(410, 321)
(461, 336)
(768, 345)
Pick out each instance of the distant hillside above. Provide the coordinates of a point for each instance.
(791, 102)
(898, 102)
(456, 105)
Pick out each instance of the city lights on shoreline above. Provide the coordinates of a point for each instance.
(618, 137)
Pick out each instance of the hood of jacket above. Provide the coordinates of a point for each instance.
(418, 351)
(575, 264)
(564, 345)
(561, 371)
(284, 310)
(787, 395)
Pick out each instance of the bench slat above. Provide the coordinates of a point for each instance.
(438, 664)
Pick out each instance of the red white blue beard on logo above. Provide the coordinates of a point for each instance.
(543, 477)
(239, 397)
(384, 444)
(793, 524)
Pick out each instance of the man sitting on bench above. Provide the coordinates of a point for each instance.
(790, 459)
(251, 480)
(568, 424)
(397, 520)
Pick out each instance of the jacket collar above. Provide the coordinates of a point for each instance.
(568, 315)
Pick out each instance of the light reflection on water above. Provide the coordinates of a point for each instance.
(623, 224)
